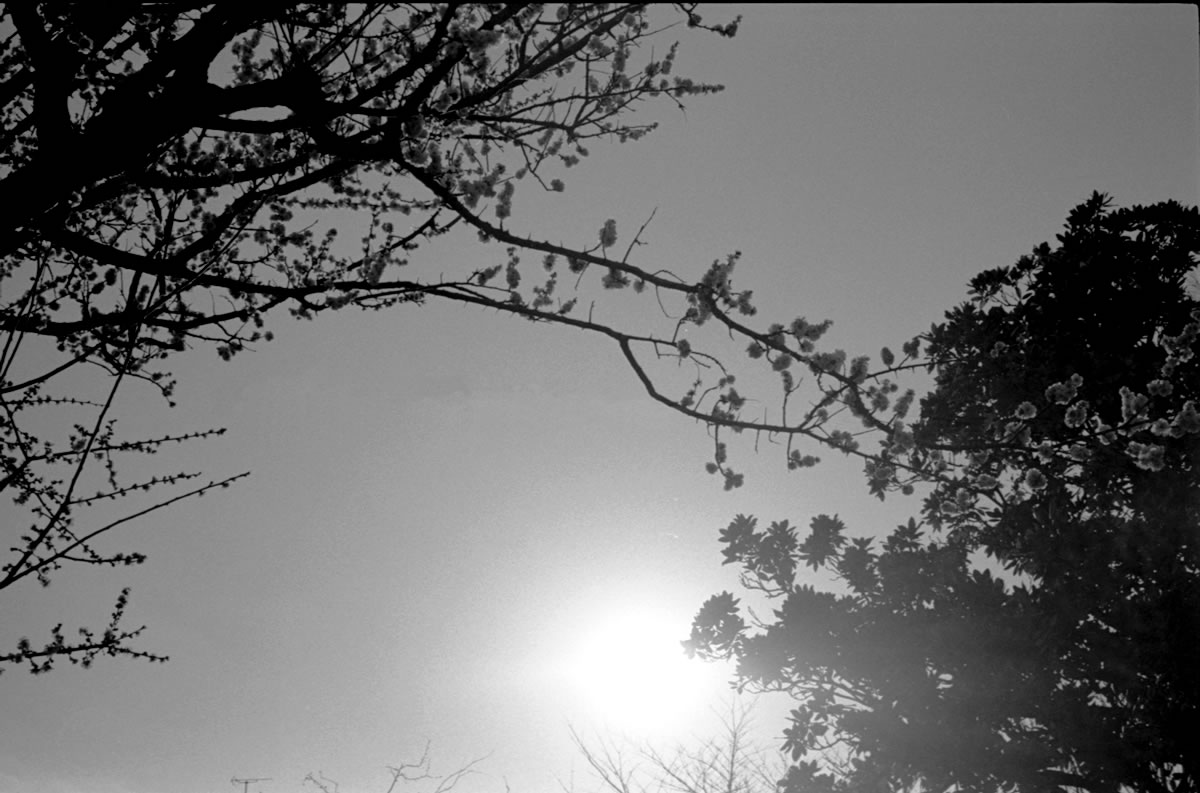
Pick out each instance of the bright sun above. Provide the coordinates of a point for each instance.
(632, 674)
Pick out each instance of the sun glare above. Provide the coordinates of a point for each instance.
(631, 674)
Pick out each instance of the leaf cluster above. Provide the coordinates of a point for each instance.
(1037, 628)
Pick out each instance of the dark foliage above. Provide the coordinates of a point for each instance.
(1039, 628)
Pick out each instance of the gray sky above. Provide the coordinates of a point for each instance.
(450, 509)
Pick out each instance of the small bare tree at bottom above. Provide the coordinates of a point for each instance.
(733, 761)
(416, 776)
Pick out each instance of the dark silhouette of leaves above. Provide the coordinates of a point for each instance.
(1040, 628)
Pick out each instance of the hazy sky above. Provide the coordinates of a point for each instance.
(452, 512)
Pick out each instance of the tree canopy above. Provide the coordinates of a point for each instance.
(1038, 626)
(174, 176)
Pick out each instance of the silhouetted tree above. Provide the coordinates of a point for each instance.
(170, 174)
(732, 762)
(409, 775)
(1039, 627)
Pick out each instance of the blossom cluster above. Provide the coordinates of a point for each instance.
(608, 234)
(1062, 393)
(1179, 348)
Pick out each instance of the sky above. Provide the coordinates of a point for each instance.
(467, 529)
